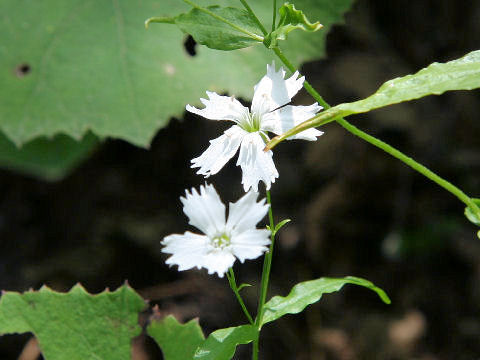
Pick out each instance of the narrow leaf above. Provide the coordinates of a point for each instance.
(471, 215)
(177, 341)
(460, 74)
(216, 34)
(75, 325)
(290, 19)
(309, 292)
(280, 225)
(221, 344)
(243, 286)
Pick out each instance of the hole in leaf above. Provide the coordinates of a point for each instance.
(189, 44)
(22, 70)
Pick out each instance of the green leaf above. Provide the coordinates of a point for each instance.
(280, 225)
(471, 215)
(50, 159)
(460, 74)
(75, 325)
(290, 19)
(82, 65)
(214, 33)
(177, 341)
(221, 344)
(309, 292)
(243, 285)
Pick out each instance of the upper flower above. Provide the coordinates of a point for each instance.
(223, 240)
(267, 114)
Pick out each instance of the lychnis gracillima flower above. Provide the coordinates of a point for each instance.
(267, 114)
(223, 240)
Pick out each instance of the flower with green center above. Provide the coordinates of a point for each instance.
(269, 113)
(223, 240)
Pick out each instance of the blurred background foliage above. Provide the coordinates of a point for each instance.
(355, 210)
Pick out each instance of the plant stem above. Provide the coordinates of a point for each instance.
(233, 286)
(255, 18)
(274, 14)
(255, 349)
(236, 27)
(381, 144)
(267, 264)
(410, 162)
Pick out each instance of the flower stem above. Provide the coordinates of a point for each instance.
(236, 27)
(410, 162)
(234, 287)
(267, 264)
(254, 17)
(383, 145)
(255, 349)
(274, 20)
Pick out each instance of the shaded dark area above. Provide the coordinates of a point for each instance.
(355, 210)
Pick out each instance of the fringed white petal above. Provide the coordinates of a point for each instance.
(289, 116)
(219, 261)
(246, 213)
(256, 164)
(250, 244)
(219, 152)
(188, 250)
(205, 210)
(219, 107)
(274, 90)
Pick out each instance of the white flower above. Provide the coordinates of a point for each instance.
(268, 114)
(223, 241)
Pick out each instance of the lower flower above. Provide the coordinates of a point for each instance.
(223, 240)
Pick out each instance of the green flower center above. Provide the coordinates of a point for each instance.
(221, 241)
(251, 122)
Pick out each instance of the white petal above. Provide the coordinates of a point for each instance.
(274, 91)
(256, 164)
(245, 214)
(219, 152)
(205, 210)
(250, 244)
(219, 107)
(287, 117)
(218, 261)
(188, 250)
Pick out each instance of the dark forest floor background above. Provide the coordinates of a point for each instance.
(355, 210)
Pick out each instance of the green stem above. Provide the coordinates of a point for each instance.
(376, 142)
(234, 287)
(255, 18)
(255, 349)
(274, 14)
(410, 162)
(212, 14)
(267, 264)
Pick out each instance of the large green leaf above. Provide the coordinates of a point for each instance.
(309, 292)
(177, 341)
(207, 29)
(437, 78)
(75, 325)
(78, 65)
(49, 159)
(221, 344)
